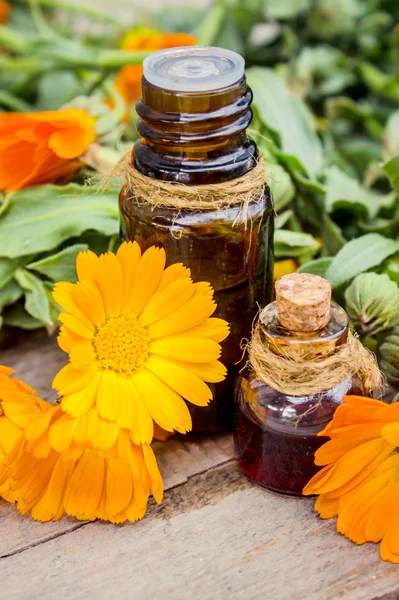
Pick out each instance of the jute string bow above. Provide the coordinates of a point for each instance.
(295, 374)
(241, 191)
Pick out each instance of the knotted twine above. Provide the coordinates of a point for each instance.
(241, 191)
(300, 374)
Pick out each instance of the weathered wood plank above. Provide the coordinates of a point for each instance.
(36, 359)
(178, 462)
(216, 537)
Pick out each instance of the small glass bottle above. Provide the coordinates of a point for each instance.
(276, 433)
(194, 112)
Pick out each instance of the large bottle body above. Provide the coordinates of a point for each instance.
(235, 257)
(194, 112)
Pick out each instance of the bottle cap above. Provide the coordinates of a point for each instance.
(303, 302)
(193, 68)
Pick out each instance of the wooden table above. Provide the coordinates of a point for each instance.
(216, 535)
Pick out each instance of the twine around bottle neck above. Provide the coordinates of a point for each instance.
(294, 374)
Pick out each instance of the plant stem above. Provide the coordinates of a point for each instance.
(71, 7)
(13, 102)
(13, 40)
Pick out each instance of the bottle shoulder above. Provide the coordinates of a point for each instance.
(297, 414)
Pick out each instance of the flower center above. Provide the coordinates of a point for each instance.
(121, 344)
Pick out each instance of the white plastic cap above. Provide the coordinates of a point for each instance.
(193, 68)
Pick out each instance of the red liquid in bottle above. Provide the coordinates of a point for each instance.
(276, 447)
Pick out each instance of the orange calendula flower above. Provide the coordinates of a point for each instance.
(84, 467)
(19, 406)
(360, 479)
(128, 80)
(42, 147)
(284, 267)
(140, 338)
(5, 10)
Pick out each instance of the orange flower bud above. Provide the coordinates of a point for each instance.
(128, 80)
(42, 147)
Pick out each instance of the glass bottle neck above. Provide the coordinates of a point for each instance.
(193, 137)
(323, 342)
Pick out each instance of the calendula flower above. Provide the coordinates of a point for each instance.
(284, 267)
(360, 479)
(128, 80)
(5, 10)
(42, 147)
(140, 338)
(19, 406)
(85, 467)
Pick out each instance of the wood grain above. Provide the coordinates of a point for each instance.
(216, 535)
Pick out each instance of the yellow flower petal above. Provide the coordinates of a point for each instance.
(79, 402)
(110, 283)
(76, 326)
(113, 391)
(90, 301)
(147, 278)
(187, 349)
(214, 329)
(87, 265)
(92, 429)
(166, 302)
(63, 294)
(191, 314)
(129, 255)
(67, 339)
(119, 486)
(85, 487)
(82, 356)
(136, 418)
(181, 380)
(211, 372)
(165, 406)
(173, 273)
(69, 380)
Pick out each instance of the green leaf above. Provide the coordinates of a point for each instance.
(391, 168)
(40, 218)
(36, 296)
(294, 244)
(333, 240)
(60, 266)
(284, 9)
(359, 255)
(287, 116)
(372, 303)
(16, 316)
(7, 269)
(280, 184)
(391, 136)
(319, 266)
(56, 88)
(282, 219)
(391, 268)
(345, 192)
(9, 294)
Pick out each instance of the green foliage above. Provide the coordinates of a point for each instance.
(326, 89)
(372, 303)
(359, 255)
(40, 218)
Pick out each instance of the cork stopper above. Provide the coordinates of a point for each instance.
(303, 302)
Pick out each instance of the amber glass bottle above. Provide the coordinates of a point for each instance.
(277, 433)
(194, 112)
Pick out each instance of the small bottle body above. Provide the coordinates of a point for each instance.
(276, 434)
(277, 427)
(233, 255)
